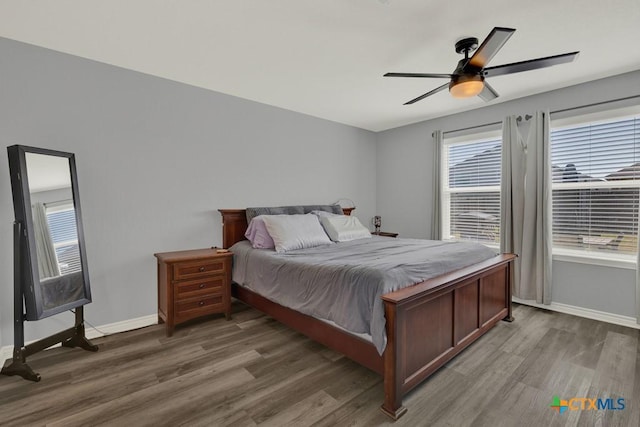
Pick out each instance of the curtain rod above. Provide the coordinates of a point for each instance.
(626, 98)
(472, 127)
(552, 112)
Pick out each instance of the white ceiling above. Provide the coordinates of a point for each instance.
(47, 172)
(326, 58)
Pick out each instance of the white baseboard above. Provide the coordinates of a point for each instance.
(6, 352)
(588, 313)
(123, 326)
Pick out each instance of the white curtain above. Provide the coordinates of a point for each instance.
(526, 204)
(436, 219)
(47, 261)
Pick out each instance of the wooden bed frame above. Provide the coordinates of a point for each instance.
(427, 324)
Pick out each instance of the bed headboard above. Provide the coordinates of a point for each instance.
(234, 225)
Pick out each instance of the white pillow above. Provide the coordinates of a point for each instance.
(343, 228)
(295, 231)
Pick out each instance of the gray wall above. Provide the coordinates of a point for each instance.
(155, 161)
(405, 189)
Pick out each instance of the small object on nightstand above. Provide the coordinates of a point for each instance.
(384, 234)
(377, 222)
(193, 283)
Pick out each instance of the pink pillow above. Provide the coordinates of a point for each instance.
(258, 235)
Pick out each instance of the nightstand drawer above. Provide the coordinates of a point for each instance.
(198, 306)
(199, 268)
(204, 286)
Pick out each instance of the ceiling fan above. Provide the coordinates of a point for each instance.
(468, 79)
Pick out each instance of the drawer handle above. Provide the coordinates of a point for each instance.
(202, 285)
(201, 269)
(201, 303)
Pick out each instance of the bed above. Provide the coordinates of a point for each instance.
(426, 324)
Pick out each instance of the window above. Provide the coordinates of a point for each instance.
(471, 189)
(596, 182)
(61, 218)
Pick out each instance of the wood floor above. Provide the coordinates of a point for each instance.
(254, 371)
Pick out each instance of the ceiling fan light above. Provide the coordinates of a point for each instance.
(466, 86)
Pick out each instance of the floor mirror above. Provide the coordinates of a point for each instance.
(50, 263)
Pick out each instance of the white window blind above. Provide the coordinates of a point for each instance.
(596, 182)
(62, 226)
(471, 190)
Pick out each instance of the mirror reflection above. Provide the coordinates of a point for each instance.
(54, 229)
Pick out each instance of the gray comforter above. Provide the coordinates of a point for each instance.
(343, 282)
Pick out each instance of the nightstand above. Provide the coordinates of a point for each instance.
(384, 234)
(192, 284)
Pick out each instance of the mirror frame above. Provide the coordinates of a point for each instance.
(30, 277)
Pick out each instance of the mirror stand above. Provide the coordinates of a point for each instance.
(72, 337)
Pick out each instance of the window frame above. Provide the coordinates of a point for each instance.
(593, 256)
(446, 192)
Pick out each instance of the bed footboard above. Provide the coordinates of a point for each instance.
(428, 324)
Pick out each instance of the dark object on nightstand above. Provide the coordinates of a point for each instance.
(384, 234)
(377, 222)
(192, 284)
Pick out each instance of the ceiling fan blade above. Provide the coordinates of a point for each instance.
(489, 47)
(436, 90)
(532, 64)
(488, 93)
(429, 75)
